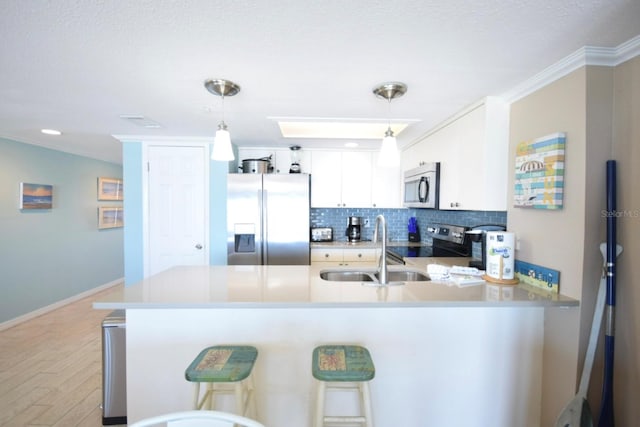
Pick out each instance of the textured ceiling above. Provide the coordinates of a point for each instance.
(77, 65)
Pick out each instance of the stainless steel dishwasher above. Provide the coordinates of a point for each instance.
(114, 369)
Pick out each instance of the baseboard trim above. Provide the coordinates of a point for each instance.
(39, 312)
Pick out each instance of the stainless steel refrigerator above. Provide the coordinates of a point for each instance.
(268, 219)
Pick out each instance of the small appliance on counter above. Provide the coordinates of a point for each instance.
(353, 228)
(322, 234)
(478, 234)
(414, 230)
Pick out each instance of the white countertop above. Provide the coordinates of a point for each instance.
(302, 287)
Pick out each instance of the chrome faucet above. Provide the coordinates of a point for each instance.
(382, 264)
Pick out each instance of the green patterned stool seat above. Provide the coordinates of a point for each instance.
(225, 369)
(343, 368)
(222, 363)
(342, 363)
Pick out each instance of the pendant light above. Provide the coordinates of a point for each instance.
(389, 155)
(222, 143)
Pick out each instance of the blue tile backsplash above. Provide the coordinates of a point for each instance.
(398, 219)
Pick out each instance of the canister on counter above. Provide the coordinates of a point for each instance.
(500, 249)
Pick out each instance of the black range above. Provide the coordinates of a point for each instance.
(447, 241)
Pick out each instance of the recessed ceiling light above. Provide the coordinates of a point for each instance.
(51, 132)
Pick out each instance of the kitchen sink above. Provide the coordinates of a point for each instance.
(347, 276)
(395, 277)
(406, 276)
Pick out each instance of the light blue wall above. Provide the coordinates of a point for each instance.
(134, 239)
(50, 255)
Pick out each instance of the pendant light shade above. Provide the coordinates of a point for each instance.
(222, 144)
(389, 155)
(222, 149)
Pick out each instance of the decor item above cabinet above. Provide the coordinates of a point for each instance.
(281, 158)
(472, 149)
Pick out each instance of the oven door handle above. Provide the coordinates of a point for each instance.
(424, 183)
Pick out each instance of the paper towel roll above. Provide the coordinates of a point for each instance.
(500, 255)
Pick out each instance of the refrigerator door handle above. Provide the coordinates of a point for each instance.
(264, 226)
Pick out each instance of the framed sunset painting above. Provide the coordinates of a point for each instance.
(35, 196)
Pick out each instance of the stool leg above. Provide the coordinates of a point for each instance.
(209, 399)
(366, 400)
(319, 414)
(251, 397)
(240, 398)
(196, 396)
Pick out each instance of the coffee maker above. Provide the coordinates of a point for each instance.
(353, 228)
(478, 234)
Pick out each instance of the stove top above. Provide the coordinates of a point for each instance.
(447, 241)
(411, 251)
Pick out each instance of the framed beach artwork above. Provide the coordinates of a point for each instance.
(539, 173)
(110, 189)
(110, 217)
(35, 196)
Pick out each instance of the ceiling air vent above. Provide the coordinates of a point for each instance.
(141, 121)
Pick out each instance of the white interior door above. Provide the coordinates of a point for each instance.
(178, 213)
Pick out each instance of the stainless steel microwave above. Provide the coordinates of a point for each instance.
(422, 186)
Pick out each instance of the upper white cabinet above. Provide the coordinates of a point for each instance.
(472, 149)
(386, 185)
(340, 179)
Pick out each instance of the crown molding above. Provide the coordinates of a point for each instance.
(588, 55)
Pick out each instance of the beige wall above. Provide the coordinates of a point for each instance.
(626, 151)
(596, 107)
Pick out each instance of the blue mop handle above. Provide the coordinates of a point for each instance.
(606, 408)
(611, 233)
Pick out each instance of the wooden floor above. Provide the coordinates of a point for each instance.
(51, 369)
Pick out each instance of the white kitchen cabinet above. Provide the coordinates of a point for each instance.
(472, 149)
(332, 257)
(356, 179)
(340, 179)
(326, 179)
(386, 185)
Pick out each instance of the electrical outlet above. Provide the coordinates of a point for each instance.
(366, 223)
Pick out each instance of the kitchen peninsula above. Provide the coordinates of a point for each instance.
(444, 355)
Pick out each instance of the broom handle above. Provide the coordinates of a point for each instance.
(606, 409)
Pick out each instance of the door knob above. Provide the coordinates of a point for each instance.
(198, 246)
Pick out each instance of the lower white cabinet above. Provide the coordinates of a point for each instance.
(332, 257)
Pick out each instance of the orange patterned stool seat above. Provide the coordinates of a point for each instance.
(343, 367)
(226, 369)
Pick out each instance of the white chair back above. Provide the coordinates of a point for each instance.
(198, 419)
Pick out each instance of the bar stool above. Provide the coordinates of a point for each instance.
(226, 369)
(343, 367)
